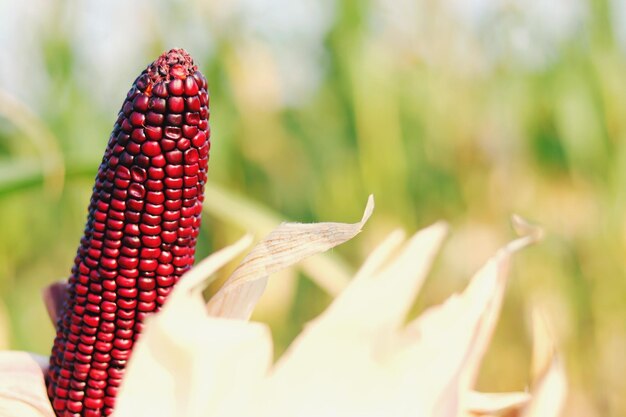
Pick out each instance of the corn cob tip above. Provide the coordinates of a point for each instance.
(174, 70)
(174, 64)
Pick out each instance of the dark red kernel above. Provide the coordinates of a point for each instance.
(120, 194)
(95, 393)
(94, 403)
(176, 104)
(138, 174)
(138, 135)
(191, 156)
(174, 119)
(158, 161)
(174, 171)
(146, 283)
(192, 119)
(160, 90)
(127, 108)
(191, 169)
(143, 161)
(132, 229)
(128, 251)
(200, 79)
(149, 230)
(75, 395)
(151, 148)
(172, 193)
(140, 103)
(154, 119)
(165, 257)
(168, 236)
(122, 173)
(128, 292)
(129, 273)
(147, 296)
(176, 87)
(199, 139)
(105, 337)
(169, 215)
(192, 104)
(204, 151)
(154, 209)
(173, 183)
(155, 197)
(189, 131)
(190, 192)
(150, 253)
(154, 132)
(133, 148)
(141, 83)
(173, 204)
(122, 355)
(157, 105)
(137, 119)
(125, 282)
(165, 281)
(156, 173)
(191, 87)
(173, 133)
(174, 157)
(204, 98)
(73, 406)
(153, 185)
(123, 324)
(128, 263)
(164, 269)
(148, 265)
(127, 304)
(151, 241)
(168, 144)
(183, 144)
(125, 314)
(151, 219)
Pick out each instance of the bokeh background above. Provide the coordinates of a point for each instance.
(463, 110)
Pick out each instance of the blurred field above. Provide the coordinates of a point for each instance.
(463, 111)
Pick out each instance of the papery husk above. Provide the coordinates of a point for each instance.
(22, 387)
(355, 359)
(286, 245)
(550, 387)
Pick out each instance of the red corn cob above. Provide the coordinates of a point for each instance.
(140, 237)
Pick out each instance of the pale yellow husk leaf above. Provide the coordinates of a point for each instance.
(22, 387)
(480, 404)
(550, 389)
(284, 246)
(356, 359)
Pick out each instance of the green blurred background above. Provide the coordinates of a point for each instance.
(466, 111)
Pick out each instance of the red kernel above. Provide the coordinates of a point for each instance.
(176, 104)
(176, 87)
(154, 132)
(137, 119)
(191, 87)
(151, 148)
